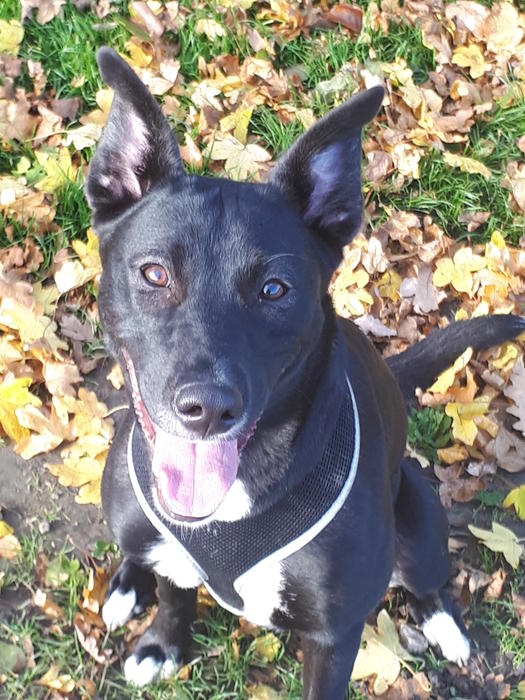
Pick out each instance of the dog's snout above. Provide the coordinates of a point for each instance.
(208, 409)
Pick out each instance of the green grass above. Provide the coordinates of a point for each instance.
(429, 429)
(66, 47)
(445, 193)
(273, 133)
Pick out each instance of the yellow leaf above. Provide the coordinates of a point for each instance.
(59, 170)
(450, 455)
(11, 35)
(5, 529)
(210, 27)
(381, 655)
(242, 160)
(462, 414)
(267, 647)
(77, 472)
(443, 273)
(508, 353)
(89, 493)
(9, 547)
(446, 378)
(471, 57)
(89, 254)
(47, 431)
(389, 284)
(516, 498)
(238, 121)
(466, 165)
(115, 377)
(500, 539)
(61, 682)
(30, 326)
(13, 395)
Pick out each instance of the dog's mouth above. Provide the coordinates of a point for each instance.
(192, 477)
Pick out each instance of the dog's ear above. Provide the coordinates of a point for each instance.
(137, 148)
(321, 173)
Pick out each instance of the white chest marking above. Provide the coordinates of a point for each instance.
(169, 560)
(261, 590)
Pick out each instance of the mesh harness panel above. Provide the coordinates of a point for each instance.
(224, 551)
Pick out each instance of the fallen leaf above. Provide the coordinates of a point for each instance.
(446, 378)
(14, 394)
(382, 655)
(57, 681)
(463, 426)
(59, 170)
(241, 161)
(49, 607)
(515, 390)
(267, 647)
(11, 35)
(509, 451)
(9, 547)
(500, 539)
(466, 165)
(516, 498)
(350, 16)
(471, 57)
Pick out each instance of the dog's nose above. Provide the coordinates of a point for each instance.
(208, 409)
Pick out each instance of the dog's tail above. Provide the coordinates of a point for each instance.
(420, 364)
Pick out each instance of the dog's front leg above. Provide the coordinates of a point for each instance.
(328, 663)
(167, 642)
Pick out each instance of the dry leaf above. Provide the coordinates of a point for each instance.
(57, 681)
(466, 165)
(515, 390)
(11, 35)
(500, 539)
(382, 654)
(242, 161)
(516, 498)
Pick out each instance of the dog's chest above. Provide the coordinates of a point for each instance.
(260, 588)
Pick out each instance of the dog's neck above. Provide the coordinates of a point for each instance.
(284, 449)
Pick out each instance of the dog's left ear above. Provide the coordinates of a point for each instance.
(321, 173)
(137, 149)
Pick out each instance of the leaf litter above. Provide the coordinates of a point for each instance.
(398, 280)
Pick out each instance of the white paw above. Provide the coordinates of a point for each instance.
(144, 672)
(441, 630)
(118, 608)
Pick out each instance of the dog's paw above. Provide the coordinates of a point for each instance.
(119, 608)
(130, 591)
(149, 662)
(442, 630)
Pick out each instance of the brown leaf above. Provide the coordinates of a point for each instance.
(49, 607)
(495, 587)
(47, 9)
(518, 601)
(509, 451)
(350, 16)
(417, 687)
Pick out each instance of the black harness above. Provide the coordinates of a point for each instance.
(223, 552)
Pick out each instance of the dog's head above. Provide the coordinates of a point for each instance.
(214, 293)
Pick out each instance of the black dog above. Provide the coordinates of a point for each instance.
(263, 453)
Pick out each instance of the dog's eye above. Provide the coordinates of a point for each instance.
(156, 275)
(273, 289)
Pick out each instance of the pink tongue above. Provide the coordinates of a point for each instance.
(193, 477)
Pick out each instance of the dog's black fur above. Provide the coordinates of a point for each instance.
(216, 357)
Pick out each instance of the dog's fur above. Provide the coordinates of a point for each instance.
(214, 359)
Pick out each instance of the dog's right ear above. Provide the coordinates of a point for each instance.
(137, 148)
